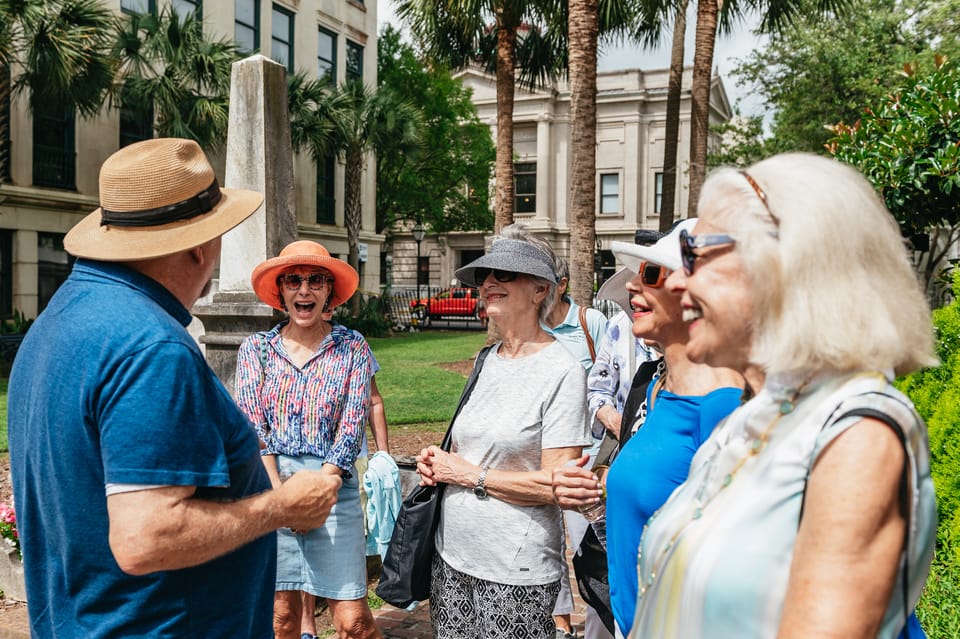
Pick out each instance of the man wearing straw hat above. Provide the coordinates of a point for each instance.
(142, 504)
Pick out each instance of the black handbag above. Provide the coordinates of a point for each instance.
(406, 567)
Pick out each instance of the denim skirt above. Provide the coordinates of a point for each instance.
(329, 561)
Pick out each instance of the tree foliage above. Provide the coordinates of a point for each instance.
(908, 146)
(444, 179)
(169, 64)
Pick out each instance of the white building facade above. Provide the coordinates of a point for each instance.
(631, 117)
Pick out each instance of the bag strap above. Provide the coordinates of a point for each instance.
(467, 390)
(903, 494)
(586, 333)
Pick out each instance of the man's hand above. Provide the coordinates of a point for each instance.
(307, 497)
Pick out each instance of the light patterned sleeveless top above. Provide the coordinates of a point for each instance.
(715, 559)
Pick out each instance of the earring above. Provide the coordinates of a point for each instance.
(326, 306)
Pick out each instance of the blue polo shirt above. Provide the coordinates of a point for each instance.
(108, 387)
(570, 333)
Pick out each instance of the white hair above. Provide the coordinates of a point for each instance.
(831, 280)
(520, 233)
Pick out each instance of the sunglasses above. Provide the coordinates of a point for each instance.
(653, 275)
(500, 276)
(689, 243)
(315, 281)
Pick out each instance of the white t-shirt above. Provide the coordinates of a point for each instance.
(518, 408)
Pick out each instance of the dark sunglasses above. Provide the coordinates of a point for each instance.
(690, 243)
(315, 281)
(500, 276)
(653, 275)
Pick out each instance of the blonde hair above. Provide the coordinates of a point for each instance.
(520, 233)
(831, 281)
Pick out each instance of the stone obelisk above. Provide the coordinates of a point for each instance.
(259, 158)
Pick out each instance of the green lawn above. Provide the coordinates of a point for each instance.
(415, 390)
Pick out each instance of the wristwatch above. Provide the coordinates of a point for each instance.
(480, 490)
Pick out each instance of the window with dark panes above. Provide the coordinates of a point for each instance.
(53, 266)
(327, 54)
(326, 193)
(281, 37)
(54, 147)
(6, 273)
(525, 187)
(138, 6)
(136, 121)
(657, 192)
(354, 61)
(186, 7)
(246, 25)
(610, 193)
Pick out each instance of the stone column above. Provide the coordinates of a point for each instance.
(259, 158)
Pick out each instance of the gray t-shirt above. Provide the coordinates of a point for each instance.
(518, 408)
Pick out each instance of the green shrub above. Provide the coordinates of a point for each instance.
(936, 394)
(373, 319)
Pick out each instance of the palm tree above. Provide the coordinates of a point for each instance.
(672, 128)
(588, 19)
(504, 37)
(711, 16)
(62, 47)
(353, 121)
(168, 66)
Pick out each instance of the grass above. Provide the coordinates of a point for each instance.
(415, 390)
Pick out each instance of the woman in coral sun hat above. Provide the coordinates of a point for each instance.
(305, 385)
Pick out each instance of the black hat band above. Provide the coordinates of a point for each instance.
(199, 204)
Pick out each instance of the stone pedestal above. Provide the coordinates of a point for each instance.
(259, 158)
(11, 574)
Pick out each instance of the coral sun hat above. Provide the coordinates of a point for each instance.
(158, 197)
(308, 254)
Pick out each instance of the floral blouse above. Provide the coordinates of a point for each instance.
(320, 409)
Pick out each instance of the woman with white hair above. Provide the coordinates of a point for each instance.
(810, 511)
(496, 572)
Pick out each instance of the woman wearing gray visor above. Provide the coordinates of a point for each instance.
(497, 568)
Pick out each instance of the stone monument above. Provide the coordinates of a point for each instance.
(259, 158)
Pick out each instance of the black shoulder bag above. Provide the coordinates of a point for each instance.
(406, 568)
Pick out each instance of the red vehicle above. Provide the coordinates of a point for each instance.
(451, 302)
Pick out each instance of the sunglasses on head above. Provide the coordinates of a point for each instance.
(653, 275)
(689, 243)
(315, 281)
(500, 276)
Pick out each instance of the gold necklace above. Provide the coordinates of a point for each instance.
(786, 407)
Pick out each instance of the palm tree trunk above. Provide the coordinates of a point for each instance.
(353, 175)
(707, 12)
(506, 63)
(583, 29)
(672, 140)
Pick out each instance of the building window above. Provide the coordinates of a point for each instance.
(246, 26)
(423, 270)
(525, 187)
(6, 273)
(53, 267)
(326, 193)
(186, 7)
(54, 156)
(327, 54)
(136, 122)
(354, 61)
(610, 193)
(657, 192)
(138, 6)
(281, 37)
(5, 140)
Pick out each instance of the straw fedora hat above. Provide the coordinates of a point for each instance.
(158, 197)
(303, 253)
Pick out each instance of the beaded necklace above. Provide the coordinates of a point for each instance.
(756, 447)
